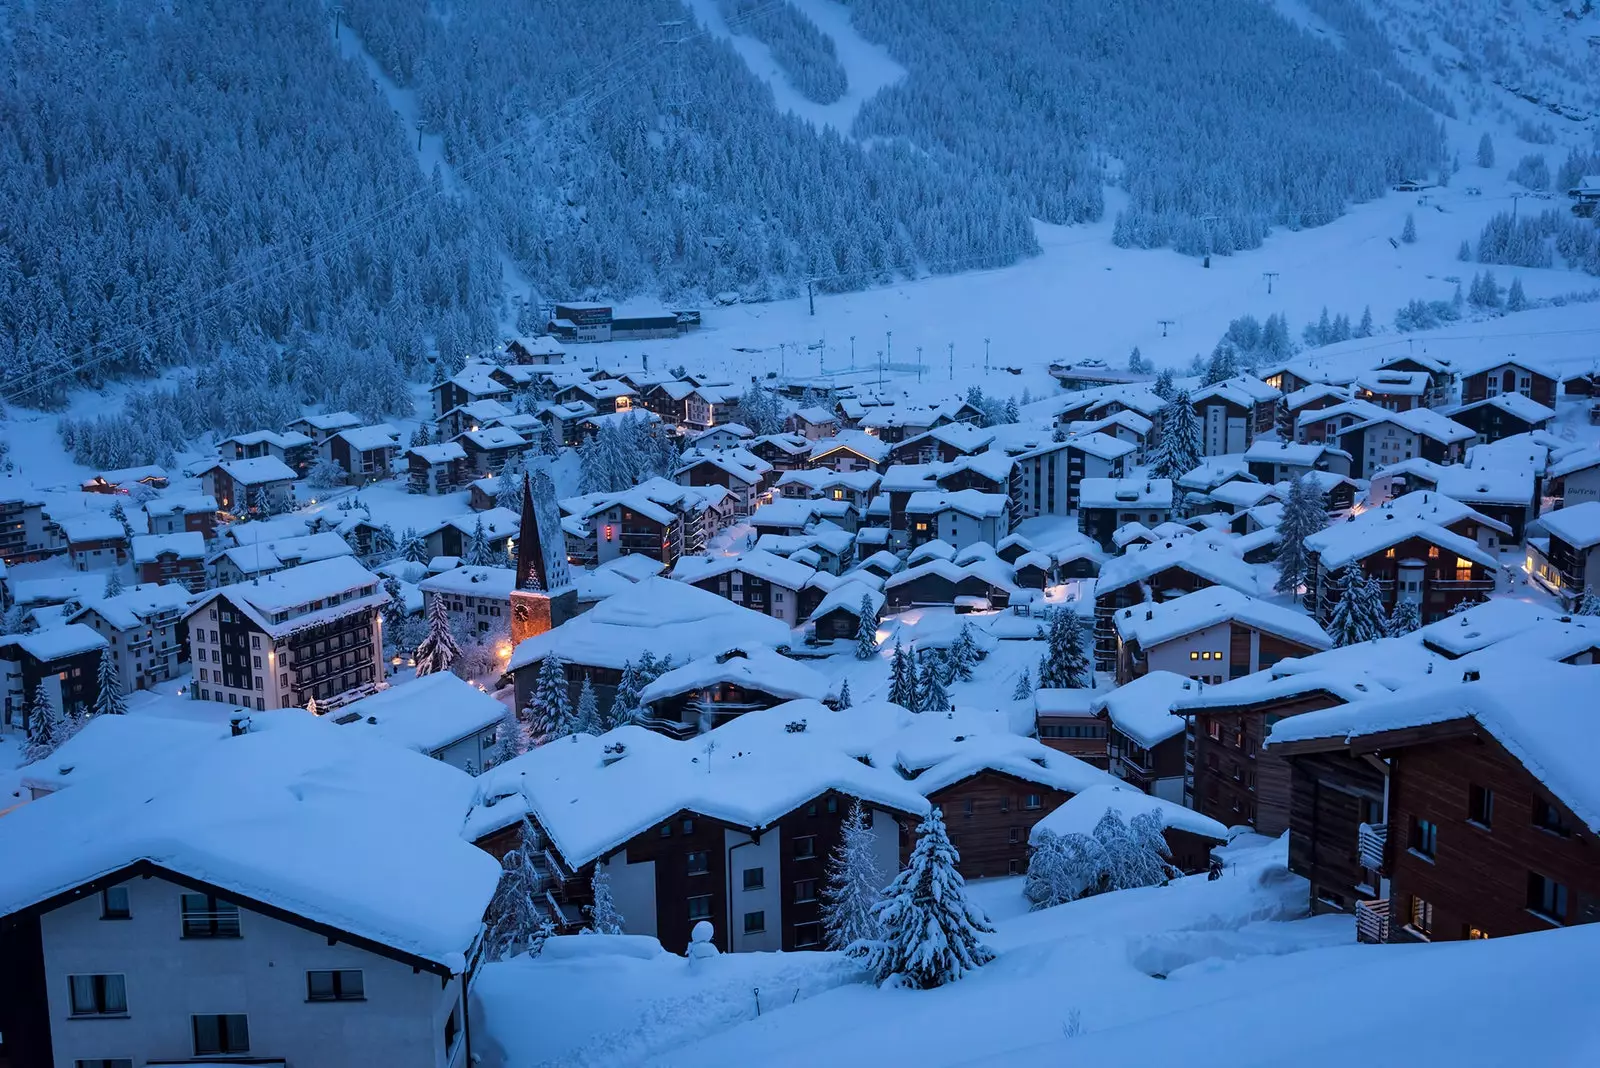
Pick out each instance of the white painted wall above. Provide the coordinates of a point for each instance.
(886, 843)
(1173, 656)
(1581, 486)
(262, 974)
(633, 892)
(742, 854)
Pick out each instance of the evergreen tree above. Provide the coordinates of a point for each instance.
(1365, 327)
(902, 679)
(1515, 299)
(550, 708)
(1403, 620)
(108, 698)
(113, 582)
(325, 474)
(120, 514)
(1304, 513)
(1358, 614)
(395, 615)
(1485, 151)
(587, 718)
(1062, 868)
(1165, 386)
(1065, 664)
(48, 727)
(603, 916)
(1409, 233)
(625, 702)
(1138, 363)
(477, 552)
(1587, 604)
(867, 630)
(510, 738)
(844, 694)
(963, 656)
(1223, 365)
(930, 689)
(508, 485)
(438, 649)
(1023, 690)
(1012, 413)
(515, 914)
(854, 887)
(1177, 450)
(1464, 253)
(413, 546)
(930, 929)
(384, 543)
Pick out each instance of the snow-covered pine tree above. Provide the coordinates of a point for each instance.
(550, 707)
(1516, 300)
(384, 543)
(1485, 151)
(1304, 513)
(1128, 861)
(1403, 620)
(1065, 664)
(1223, 365)
(625, 702)
(1587, 604)
(1138, 363)
(1364, 328)
(932, 696)
(1464, 253)
(1165, 385)
(854, 886)
(844, 694)
(902, 679)
(108, 698)
(1062, 868)
(586, 720)
(603, 915)
(508, 485)
(1408, 233)
(1011, 413)
(477, 552)
(930, 929)
(325, 474)
(48, 727)
(1023, 690)
(413, 546)
(515, 914)
(1177, 450)
(438, 648)
(964, 655)
(510, 738)
(1358, 614)
(867, 630)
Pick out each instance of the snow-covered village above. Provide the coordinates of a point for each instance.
(867, 532)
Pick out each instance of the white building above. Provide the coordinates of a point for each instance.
(477, 599)
(437, 715)
(140, 624)
(960, 518)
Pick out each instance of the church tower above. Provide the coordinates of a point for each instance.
(545, 597)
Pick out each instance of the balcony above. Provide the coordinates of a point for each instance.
(1372, 921)
(1371, 842)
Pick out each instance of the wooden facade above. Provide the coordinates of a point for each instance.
(1333, 795)
(1446, 580)
(1236, 782)
(989, 817)
(1509, 377)
(1170, 582)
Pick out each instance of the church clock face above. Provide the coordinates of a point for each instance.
(522, 613)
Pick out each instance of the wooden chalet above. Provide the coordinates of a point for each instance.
(1501, 377)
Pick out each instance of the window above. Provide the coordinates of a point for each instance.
(1421, 915)
(1032, 801)
(1480, 805)
(1005, 803)
(805, 847)
(1015, 835)
(755, 878)
(688, 826)
(114, 903)
(833, 805)
(452, 1029)
(1013, 866)
(700, 907)
(222, 1033)
(699, 863)
(805, 890)
(1424, 837)
(666, 830)
(209, 916)
(1433, 552)
(807, 934)
(98, 995)
(1470, 932)
(966, 807)
(755, 922)
(1547, 817)
(344, 985)
(1547, 897)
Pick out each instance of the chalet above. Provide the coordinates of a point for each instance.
(941, 444)
(796, 516)
(24, 534)
(271, 552)
(1586, 194)
(175, 515)
(708, 404)
(538, 351)
(960, 518)
(281, 640)
(1396, 436)
(319, 428)
(1313, 398)
(1190, 836)
(1458, 518)
(1233, 413)
(1212, 635)
(658, 519)
(436, 469)
(1410, 557)
(474, 382)
(1052, 474)
(477, 600)
(823, 546)
(148, 480)
(813, 424)
(1507, 494)
(1066, 721)
(980, 585)
(142, 627)
(562, 420)
(820, 483)
(744, 849)
(850, 450)
(474, 415)
(785, 452)
(722, 436)
(706, 693)
(1127, 426)
(95, 541)
(454, 536)
(1565, 560)
(991, 471)
(1325, 423)
(1105, 504)
(1453, 810)
(297, 450)
(487, 450)
(1441, 375)
(1498, 376)
(62, 659)
(1294, 375)
(1503, 415)
(179, 558)
(1282, 461)
(894, 423)
(1394, 391)
(756, 580)
(1145, 742)
(1396, 480)
(604, 395)
(1574, 477)
(134, 939)
(1101, 403)
(838, 615)
(263, 486)
(1159, 572)
(365, 453)
(742, 473)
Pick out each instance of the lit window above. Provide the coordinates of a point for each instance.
(1194, 656)
(1433, 552)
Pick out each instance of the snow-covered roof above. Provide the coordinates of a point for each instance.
(1125, 493)
(1437, 508)
(1417, 465)
(635, 567)
(661, 616)
(1513, 404)
(1142, 709)
(305, 817)
(847, 595)
(186, 545)
(939, 752)
(1361, 410)
(1294, 454)
(1063, 702)
(135, 604)
(110, 744)
(1483, 625)
(1314, 392)
(1377, 529)
(739, 463)
(340, 583)
(52, 643)
(425, 714)
(963, 437)
(1578, 525)
(1213, 471)
(1127, 418)
(1101, 446)
(257, 556)
(937, 549)
(98, 526)
(475, 378)
(1577, 460)
(442, 453)
(751, 669)
(1243, 390)
(1545, 718)
(493, 582)
(883, 560)
(795, 511)
(492, 437)
(1081, 813)
(1242, 495)
(969, 502)
(756, 562)
(1152, 624)
(1395, 383)
(1477, 365)
(857, 441)
(181, 504)
(1263, 686)
(370, 438)
(1140, 562)
(330, 420)
(287, 439)
(820, 478)
(260, 471)
(1424, 422)
(1495, 485)
(497, 523)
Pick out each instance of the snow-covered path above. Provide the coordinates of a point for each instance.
(429, 148)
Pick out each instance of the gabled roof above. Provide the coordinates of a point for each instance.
(370, 438)
(338, 582)
(753, 669)
(1577, 525)
(1201, 558)
(755, 562)
(859, 442)
(1420, 421)
(847, 596)
(443, 453)
(98, 526)
(971, 502)
(1374, 531)
(1295, 454)
(135, 604)
(1492, 486)
(1142, 709)
(737, 463)
(1395, 383)
(185, 545)
(492, 437)
(1083, 812)
(425, 714)
(257, 472)
(1480, 364)
(1155, 624)
(1513, 404)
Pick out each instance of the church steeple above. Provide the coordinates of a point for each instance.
(531, 571)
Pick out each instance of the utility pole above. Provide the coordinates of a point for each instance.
(985, 355)
(880, 371)
(338, 13)
(889, 344)
(952, 361)
(1515, 198)
(1269, 276)
(811, 297)
(1164, 324)
(852, 352)
(422, 124)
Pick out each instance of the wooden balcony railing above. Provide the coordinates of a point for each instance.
(1372, 921)
(1371, 842)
